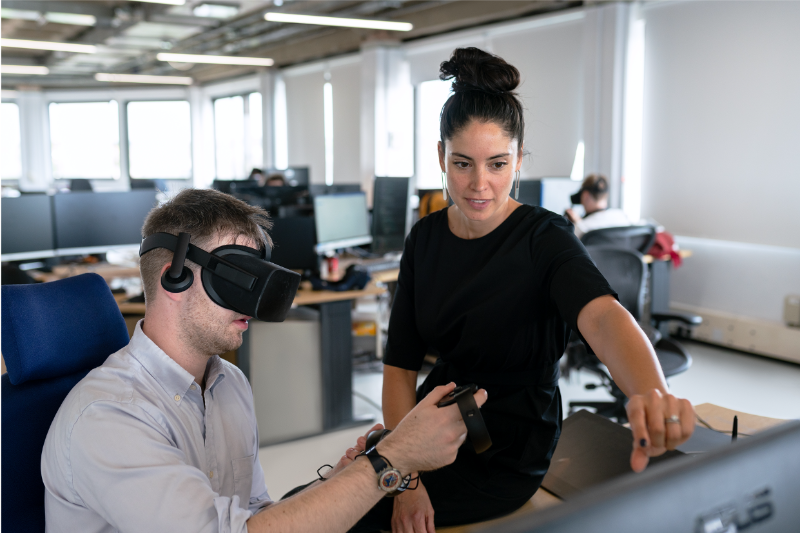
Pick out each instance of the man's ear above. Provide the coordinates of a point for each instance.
(174, 296)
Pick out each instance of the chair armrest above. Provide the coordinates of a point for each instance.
(687, 318)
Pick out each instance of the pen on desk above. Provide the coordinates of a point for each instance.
(735, 432)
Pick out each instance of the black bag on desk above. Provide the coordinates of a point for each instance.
(355, 278)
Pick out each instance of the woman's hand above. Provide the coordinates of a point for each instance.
(659, 422)
(351, 453)
(413, 512)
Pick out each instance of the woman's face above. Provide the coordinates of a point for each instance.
(480, 161)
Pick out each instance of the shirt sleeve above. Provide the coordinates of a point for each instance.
(573, 279)
(405, 347)
(125, 467)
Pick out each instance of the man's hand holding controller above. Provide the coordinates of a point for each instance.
(428, 437)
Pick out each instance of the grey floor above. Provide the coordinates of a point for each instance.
(738, 381)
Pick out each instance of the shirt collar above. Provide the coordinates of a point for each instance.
(172, 377)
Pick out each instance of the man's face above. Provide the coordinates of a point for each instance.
(207, 327)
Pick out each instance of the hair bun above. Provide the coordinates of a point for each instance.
(474, 69)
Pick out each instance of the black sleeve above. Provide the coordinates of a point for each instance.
(573, 279)
(404, 345)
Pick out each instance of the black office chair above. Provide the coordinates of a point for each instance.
(639, 238)
(625, 270)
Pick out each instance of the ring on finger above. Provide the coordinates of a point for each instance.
(674, 419)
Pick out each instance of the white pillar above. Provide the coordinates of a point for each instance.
(605, 49)
(203, 161)
(37, 168)
(387, 114)
(266, 87)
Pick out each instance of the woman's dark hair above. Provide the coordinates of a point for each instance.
(483, 86)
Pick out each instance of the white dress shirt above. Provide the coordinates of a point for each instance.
(134, 448)
(606, 218)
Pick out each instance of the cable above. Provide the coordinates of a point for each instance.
(377, 406)
(706, 424)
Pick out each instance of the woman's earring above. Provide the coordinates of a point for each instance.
(444, 185)
(516, 188)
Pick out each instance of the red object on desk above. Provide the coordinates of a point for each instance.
(664, 247)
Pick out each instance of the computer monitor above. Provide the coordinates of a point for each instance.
(294, 176)
(27, 227)
(88, 223)
(751, 485)
(293, 243)
(556, 193)
(389, 207)
(318, 190)
(341, 221)
(530, 192)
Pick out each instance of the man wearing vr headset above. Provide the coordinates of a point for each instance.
(163, 435)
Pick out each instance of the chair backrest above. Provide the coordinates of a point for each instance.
(624, 270)
(639, 238)
(53, 335)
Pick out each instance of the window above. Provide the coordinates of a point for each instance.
(431, 96)
(11, 146)
(159, 140)
(238, 132)
(84, 140)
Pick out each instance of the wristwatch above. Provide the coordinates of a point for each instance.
(389, 478)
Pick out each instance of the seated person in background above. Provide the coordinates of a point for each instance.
(593, 195)
(163, 435)
(258, 175)
(276, 180)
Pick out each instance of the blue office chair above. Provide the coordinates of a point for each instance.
(53, 335)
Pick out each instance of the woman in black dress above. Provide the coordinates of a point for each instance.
(495, 287)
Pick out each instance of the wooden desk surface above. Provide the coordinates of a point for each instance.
(682, 253)
(303, 297)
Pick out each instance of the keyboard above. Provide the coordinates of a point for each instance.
(380, 265)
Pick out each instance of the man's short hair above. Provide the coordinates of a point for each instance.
(205, 214)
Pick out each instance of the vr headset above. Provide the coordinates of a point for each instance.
(234, 277)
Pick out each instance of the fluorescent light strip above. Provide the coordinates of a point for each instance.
(216, 60)
(170, 2)
(24, 69)
(141, 78)
(337, 21)
(71, 18)
(58, 18)
(42, 45)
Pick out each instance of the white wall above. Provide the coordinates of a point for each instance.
(720, 144)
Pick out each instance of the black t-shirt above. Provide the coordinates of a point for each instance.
(498, 311)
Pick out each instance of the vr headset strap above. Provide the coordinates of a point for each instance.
(211, 262)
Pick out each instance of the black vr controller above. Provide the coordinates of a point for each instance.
(470, 412)
(234, 277)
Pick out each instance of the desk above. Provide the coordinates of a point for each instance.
(718, 417)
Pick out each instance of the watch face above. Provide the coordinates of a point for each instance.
(390, 480)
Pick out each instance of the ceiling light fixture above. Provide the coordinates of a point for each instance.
(170, 2)
(42, 45)
(142, 78)
(212, 10)
(337, 21)
(24, 69)
(216, 60)
(58, 18)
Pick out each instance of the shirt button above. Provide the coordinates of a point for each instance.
(211, 475)
(193, 387)
(177, 397)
